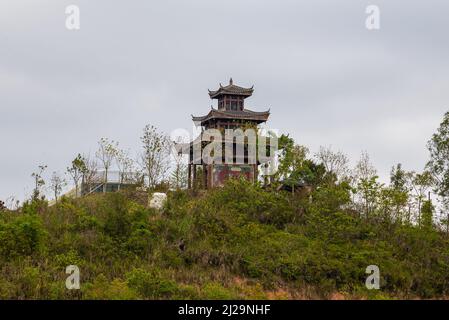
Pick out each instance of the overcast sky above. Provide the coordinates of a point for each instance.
(327, 79)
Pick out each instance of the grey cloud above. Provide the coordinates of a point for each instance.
(327, 80)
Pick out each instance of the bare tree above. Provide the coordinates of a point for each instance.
(179, 174)
(125, 165)
(90, 171)
(56, 184)
(76, 170)
(39, 182)
(107, 151)
(155, 156)
(364, 169)
(335, 162)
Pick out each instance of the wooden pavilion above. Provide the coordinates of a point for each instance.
(230, 114)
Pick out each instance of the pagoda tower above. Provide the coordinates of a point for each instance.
(230, 113)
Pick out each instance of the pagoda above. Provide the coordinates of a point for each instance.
(230, 113)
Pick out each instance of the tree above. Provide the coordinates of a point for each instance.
(427, 214)
(291, 158)
(39, 182)
(89, 171)
(365, 186)
(335, 162)
(107, 151)
(12, 203)
(294, 166)
(155, 156)
(438, 164)
(369, 191)
(179, 175)
(420, 184)
(399, 190)
(76, 171)
(364, 169)
(398, 178)
(56, 184)
(125, 165)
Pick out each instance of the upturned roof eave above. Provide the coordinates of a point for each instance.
(246, 114)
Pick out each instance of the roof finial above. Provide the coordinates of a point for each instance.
(231, 82)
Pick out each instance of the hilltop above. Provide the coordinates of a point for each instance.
(311, 230)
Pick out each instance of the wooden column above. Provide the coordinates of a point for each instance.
(256, 173)
(189, 179)
(210, 170)
(205, 176)
(194, 177)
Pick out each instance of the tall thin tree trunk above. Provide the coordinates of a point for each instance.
(447, 224)
(419, 211)
(105, 180)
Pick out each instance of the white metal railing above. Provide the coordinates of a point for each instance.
(114, 177)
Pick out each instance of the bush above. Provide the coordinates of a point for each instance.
(151, 284)
(103, 289)
(215, 291)
(247, 201)
(23, 236)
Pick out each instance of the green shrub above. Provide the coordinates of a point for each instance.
(215, 291)
(103, 289)
(7, 289)
(66, 259)
(151, 284)
(30, 283)
(23, 236)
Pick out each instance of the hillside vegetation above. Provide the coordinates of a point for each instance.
(237, 242)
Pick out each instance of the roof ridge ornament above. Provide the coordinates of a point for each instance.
(231, 82)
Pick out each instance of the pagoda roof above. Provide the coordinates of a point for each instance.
(231, 89)
(244, 114)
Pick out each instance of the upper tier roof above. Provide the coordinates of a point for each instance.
(231, 89)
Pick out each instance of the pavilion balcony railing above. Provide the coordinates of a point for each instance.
(114, 177)
(110, 182)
